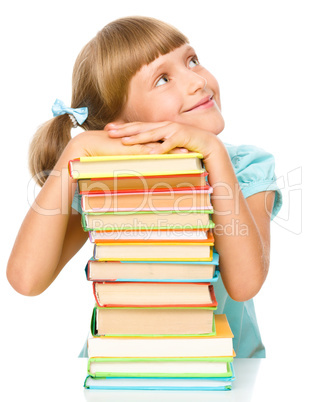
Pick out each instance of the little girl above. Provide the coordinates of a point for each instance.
(139, 88)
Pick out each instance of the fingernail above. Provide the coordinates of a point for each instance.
(153, 151)
(126, 139)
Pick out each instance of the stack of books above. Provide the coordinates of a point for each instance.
(153, 268)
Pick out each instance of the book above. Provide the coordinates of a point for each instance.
(98, 236)
(153, 270)
(176, 182)
(183, 220)
(159, 367)
(170, 250)
(217, 344)
(208, 239)
(147, 214)
(125, 165)
(148, 201)
(166, 237)
(125, 321)
(151, 294)
(148, 251)
(165, 384)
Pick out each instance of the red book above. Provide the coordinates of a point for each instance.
(139, 183)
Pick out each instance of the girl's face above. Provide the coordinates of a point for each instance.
(175, 87)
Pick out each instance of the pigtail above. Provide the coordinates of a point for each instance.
(47, 145)
(100, 82)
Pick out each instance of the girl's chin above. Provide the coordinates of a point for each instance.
(214, 128)
(220, 127)
(215, 124)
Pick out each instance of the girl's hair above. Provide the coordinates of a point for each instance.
(101, 77)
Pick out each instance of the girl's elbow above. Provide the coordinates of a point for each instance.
(244, 292)
(242, 295)
(20, 282)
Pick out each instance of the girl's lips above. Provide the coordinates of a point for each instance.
(205, 103)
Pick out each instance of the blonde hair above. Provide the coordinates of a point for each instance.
(100, 81)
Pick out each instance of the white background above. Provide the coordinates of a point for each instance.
(270, 58)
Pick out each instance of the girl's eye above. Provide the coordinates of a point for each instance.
(163, 80)
(193, 62)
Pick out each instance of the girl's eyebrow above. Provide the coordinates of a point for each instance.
(154, 70)
(188, 48)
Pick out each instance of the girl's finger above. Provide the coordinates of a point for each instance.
(153, 145)
(139, 149)
(174, 141)
(115, 125)
(159, 134)
(178, 151)
(134, 128)
(142, 138)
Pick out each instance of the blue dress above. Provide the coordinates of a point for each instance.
(254, 169)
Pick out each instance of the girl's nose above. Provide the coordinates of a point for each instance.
(196, 82)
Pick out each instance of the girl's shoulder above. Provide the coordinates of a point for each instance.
(255, 171)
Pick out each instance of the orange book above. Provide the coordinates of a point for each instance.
(148, 201)
(154, 251)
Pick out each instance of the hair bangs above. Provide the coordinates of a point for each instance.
(106, 65)
(144, 39)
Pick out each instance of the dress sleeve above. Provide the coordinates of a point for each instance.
(76, 203)
(255, 171)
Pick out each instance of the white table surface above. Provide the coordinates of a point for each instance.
(59, 379)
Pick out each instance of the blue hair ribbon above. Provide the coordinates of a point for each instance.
(59, 108)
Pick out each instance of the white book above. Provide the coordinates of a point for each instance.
(158, 367)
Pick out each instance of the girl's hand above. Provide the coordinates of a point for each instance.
(97, 143)
(164, 136)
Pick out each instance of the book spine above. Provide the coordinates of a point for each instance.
(70, 167)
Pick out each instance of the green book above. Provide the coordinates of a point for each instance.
(180, 367)
(140, 220)
(95, 332)
(160, 321)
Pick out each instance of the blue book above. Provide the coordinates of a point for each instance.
(163, 383)
(153, 271)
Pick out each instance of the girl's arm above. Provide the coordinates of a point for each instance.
(51, 232)
(242, 228)
(49, 236)
(244, 255)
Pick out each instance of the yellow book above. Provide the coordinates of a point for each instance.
(153, 252)
(135, 165)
